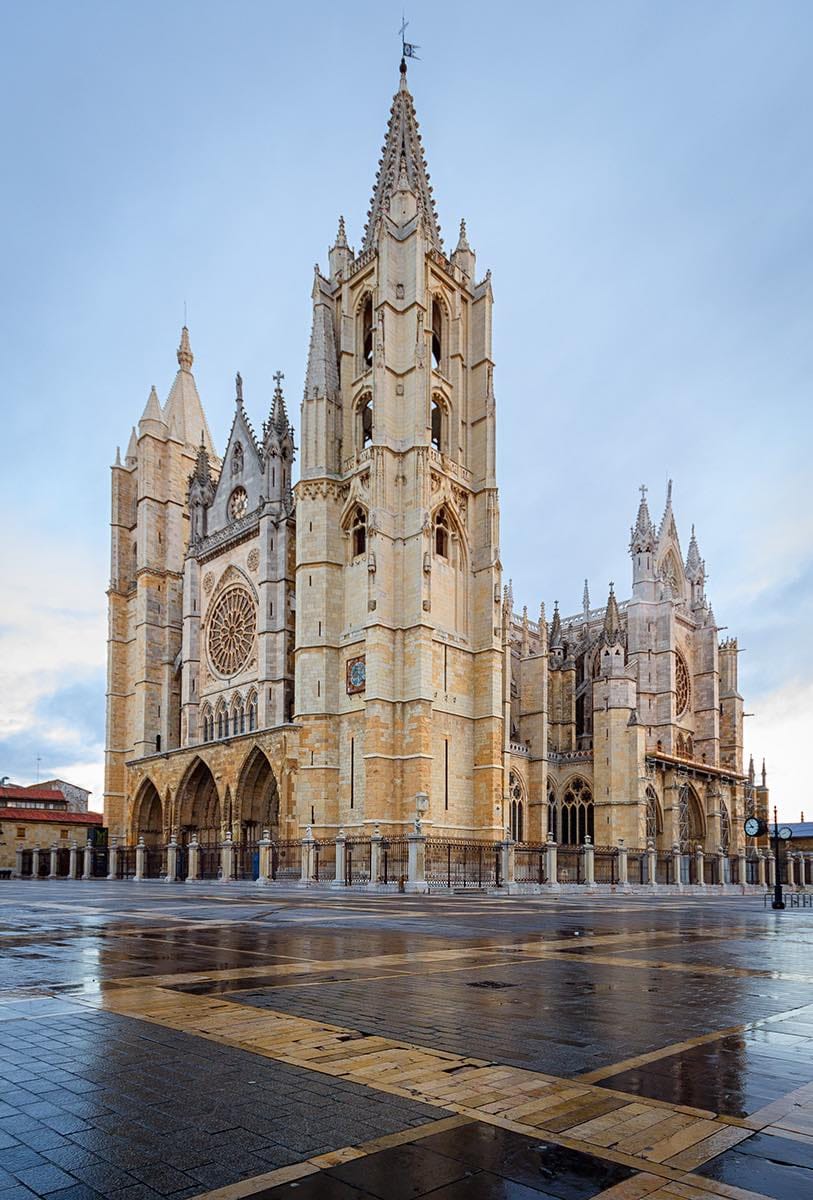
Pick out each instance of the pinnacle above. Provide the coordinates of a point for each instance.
(341, 236)
(463, 241)
(185, 355)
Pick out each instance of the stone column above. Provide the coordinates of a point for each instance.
(73, 869)
(307, 858)
(507, 863)
(18, 862)
(551, 866)
(790, 869)
(113, 859)
(172, 860)
(376, 868)
(623, 873)
(35, 863)
(264, 876)
(87, 867)
(227, 859)
(700, 859)
(52, 871)
(651, 863)
(416, 861)
(589, 859)
(742, 868)
(771, 870)
(677, 863)
(800, 870)
(193, 866)
(341, 842)
(722, 859)
(141, 861)
(762, 873)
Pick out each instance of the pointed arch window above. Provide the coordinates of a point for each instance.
(252, 713)
(437, 335)
(442, 533)
(358, 532)
(364, 422)
(366, 333)
(552, 822)
(439, 425)
(517, 819)
(220, 724)
(577, 813)
(653, 818)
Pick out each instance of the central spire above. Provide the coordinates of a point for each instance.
(402, 161)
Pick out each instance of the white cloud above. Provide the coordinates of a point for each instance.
(782, 733)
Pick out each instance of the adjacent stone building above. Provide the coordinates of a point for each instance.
(283, 656)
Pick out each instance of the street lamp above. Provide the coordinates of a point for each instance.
(757, 827)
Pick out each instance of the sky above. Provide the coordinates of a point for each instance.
(636, 175)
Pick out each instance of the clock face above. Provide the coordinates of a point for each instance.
(752, 827)
(785, 832)
(356, 675)
(238, 503)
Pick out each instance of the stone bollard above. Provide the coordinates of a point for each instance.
(172, 860)
(742, 869)
(113, 859)
(18, 862)
(790, 871)
(193, 865)
(700, 860)
(551, 864)
(771, 869)
(762, 870)
(677, 863)
(227, 859)
(589, 860)
(623, 868)
(508, 863)
(722, 863)
(341, 860)
(87, 865)
(416, 861)
(306, 873)
(376, 859)
(265, 844)
(35, 863)
(73, 869)
(52, 873)
(141, 861)
(651, 863)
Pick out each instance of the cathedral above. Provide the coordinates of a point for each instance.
(326, 654)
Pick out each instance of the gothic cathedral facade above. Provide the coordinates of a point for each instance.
(318, 654)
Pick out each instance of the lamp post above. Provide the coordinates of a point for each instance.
(783, 834)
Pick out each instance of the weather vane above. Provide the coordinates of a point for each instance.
(407, 48)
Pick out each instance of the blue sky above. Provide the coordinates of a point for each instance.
(637, 176)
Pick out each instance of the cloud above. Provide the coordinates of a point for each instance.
(784, 731)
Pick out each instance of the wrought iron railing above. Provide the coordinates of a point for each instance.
(456, 864)
(605, 864)
(570, 864)
(530, 863)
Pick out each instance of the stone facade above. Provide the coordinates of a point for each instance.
(317, 655)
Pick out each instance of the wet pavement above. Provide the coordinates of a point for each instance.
(170, 1041)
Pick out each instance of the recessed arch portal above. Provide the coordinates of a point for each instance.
(257, 797)
(199, 810)
(148, 815)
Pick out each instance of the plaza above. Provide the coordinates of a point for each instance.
(183, 1040)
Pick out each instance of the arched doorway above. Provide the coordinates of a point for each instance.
(148, 815)
(199, 812)
(257, 797)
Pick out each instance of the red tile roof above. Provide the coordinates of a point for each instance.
(32, 793)
(31, 815)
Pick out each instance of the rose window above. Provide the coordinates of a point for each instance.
(681, 685)
(231, 631)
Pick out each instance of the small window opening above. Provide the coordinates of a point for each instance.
(437, 425)
(442, 534)
(437, 334)
(366, 423)
(367, 332)
(359, 532)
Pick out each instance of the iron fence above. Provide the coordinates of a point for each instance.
(664, 868)
(530, 863)
(711, 870)
(286, 860)
(570, 864)
(126, 862)
(155, 862)
(324, 861)
(27, 864)
(752, 870)
(99, 863)
(357, 861)
(637, 865)
(734, 870)
(246, 859)
(394, 860)
(454, 863)
(209, 862)
(605, 864)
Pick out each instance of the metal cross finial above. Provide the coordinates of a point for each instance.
(643, 489)
(278, 377)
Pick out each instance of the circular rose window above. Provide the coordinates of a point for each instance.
(681, 685)
(238, 504)
(231, 631)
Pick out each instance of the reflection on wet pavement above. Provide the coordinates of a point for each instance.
(167, 1041)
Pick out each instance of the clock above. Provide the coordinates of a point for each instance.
(754, 827)
(356, 675)
(238, 503)
(785, 832)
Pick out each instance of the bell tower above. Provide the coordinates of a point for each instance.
(398, 651)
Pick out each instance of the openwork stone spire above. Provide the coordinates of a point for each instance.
(642, 534)
(402, 161)
(612, 619)
(185, 355)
